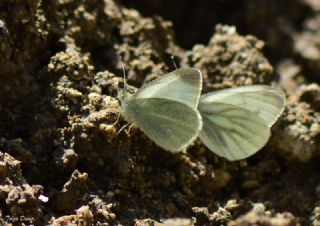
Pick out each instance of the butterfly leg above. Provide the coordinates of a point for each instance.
(174, 62)
(122, 128)
(118, 117)
(130, 128)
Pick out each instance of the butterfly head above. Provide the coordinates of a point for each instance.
(123, 96)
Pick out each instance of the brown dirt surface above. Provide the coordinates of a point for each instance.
(62, 160)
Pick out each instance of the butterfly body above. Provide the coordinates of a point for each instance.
(237, 121)
(126, 108)
(166, 108)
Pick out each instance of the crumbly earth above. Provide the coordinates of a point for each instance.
(62, 161)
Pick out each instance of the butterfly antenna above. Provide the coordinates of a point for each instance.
(174, 63)
(124, 77)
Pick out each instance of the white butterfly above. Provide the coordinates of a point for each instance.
(237, 121)
(166, 108)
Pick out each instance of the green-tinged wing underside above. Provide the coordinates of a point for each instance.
(265, 101)
(183, 85)
(170, 124)
(231, 131)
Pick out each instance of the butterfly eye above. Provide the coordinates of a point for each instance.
(120, 85)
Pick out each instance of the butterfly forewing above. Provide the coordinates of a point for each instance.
(265, 101)
(183, 85)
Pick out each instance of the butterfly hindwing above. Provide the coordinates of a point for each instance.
(170, 124)
(232, 132)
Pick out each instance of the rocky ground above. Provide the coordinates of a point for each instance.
(61, 160)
